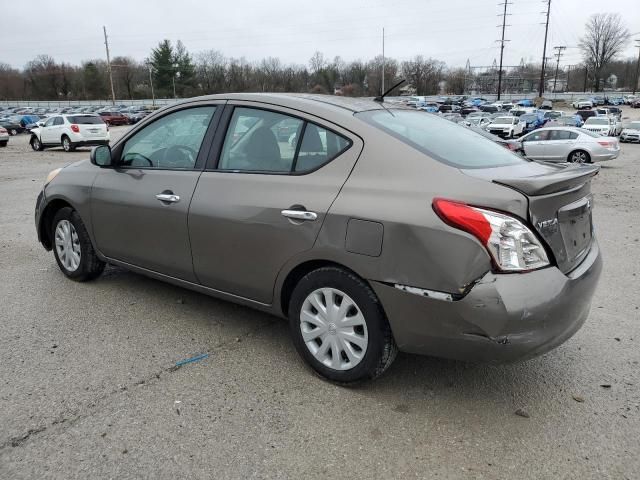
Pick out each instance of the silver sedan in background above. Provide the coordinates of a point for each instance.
(569, 144)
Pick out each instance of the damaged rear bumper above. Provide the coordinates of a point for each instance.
(503, 318)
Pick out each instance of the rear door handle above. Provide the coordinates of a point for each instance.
(168, 197)
(300, 215)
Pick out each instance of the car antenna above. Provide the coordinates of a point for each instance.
(381, 97)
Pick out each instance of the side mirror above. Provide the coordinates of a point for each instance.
(40, 124)
(101, 156)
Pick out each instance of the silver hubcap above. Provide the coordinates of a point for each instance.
(68, 245)
(579, 157)
(333, 329)
(65, 144)
(36, 143)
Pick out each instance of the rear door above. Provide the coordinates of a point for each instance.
(559, 144)
(139, 209)
(264, 201)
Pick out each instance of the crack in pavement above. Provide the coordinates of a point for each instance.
(92, 407)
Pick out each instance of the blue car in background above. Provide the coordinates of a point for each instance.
(525, 102)
(614, 101)
(430, 107)
(533, 121)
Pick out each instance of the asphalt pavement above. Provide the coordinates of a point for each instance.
(89, 387)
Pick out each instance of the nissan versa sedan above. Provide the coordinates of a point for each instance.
(569, 144)
(377, 229)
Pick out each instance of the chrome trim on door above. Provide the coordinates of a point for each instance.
(300, 215)
(168, 197)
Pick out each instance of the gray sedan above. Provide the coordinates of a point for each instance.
(569, 144)
(377, 229)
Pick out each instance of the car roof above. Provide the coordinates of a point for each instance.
(307, 102)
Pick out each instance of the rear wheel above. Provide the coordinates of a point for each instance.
(67, 145)
(4, 144)
(36, 144)
(579, 156)
(72, 247)
(13, 132)
(339, 327)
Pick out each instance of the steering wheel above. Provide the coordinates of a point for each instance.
(179, 155)
(137, 156)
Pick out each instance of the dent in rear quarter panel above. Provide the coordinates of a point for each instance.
(394, 184)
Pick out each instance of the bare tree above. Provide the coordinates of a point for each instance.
(604, 39)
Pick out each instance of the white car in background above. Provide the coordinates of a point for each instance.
(506, 127)
(607, 126)
(631, 133)
(582, 103)
(70, 131)
(479, 122)
(568, 144)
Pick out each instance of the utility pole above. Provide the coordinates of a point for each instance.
(544, 48)
(635, 84)
(558, 55)
(382, 61)
(106, 44)
(153, 95)
(502, 40)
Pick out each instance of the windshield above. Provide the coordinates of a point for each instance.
(442, 140)
(503, 121)
(597, 121)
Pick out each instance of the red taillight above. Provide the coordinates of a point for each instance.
(465, 218)
(605, 144)
(75, 128)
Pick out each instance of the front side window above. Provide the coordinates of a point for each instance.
(537, 136)
(58, 121)
(265, 141)
(171, 142)
(49, 122)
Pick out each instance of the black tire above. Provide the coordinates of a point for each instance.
(4, 144)
(36, 144)
(66, 144)
(90, 265)
(381, 347)
(13, 132)
(579, 156)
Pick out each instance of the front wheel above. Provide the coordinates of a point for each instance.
(579, 156)
(3, 144)
(339, 327)
(36, 144)
(72, 247)
(13, 132)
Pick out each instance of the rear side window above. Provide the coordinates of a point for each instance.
(85, 120)
(440, 139)
(562, 135)
(265, 141)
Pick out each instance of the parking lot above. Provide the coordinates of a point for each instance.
(89, 386)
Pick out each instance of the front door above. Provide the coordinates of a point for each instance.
(535, 144)
(264, 201)
(139, 208)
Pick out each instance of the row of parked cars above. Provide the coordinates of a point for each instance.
(598, 100)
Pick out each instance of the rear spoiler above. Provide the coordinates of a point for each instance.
(569, 177)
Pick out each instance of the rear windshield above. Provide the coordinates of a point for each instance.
(85, 119)
(442, 140)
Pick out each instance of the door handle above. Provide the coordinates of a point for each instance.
(168, 197)
(300, 215)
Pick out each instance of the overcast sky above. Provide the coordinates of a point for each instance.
(450, 30)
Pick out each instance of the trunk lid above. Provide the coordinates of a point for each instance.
(560, 204)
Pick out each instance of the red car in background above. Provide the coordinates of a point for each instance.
(114, 118)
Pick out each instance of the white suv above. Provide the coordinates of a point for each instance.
(508, 127)
(606, 126)
(582, 103)
(70, 131)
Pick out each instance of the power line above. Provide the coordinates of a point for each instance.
(106, 44)
(502, 40)
(557, 55)
(544, 49)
